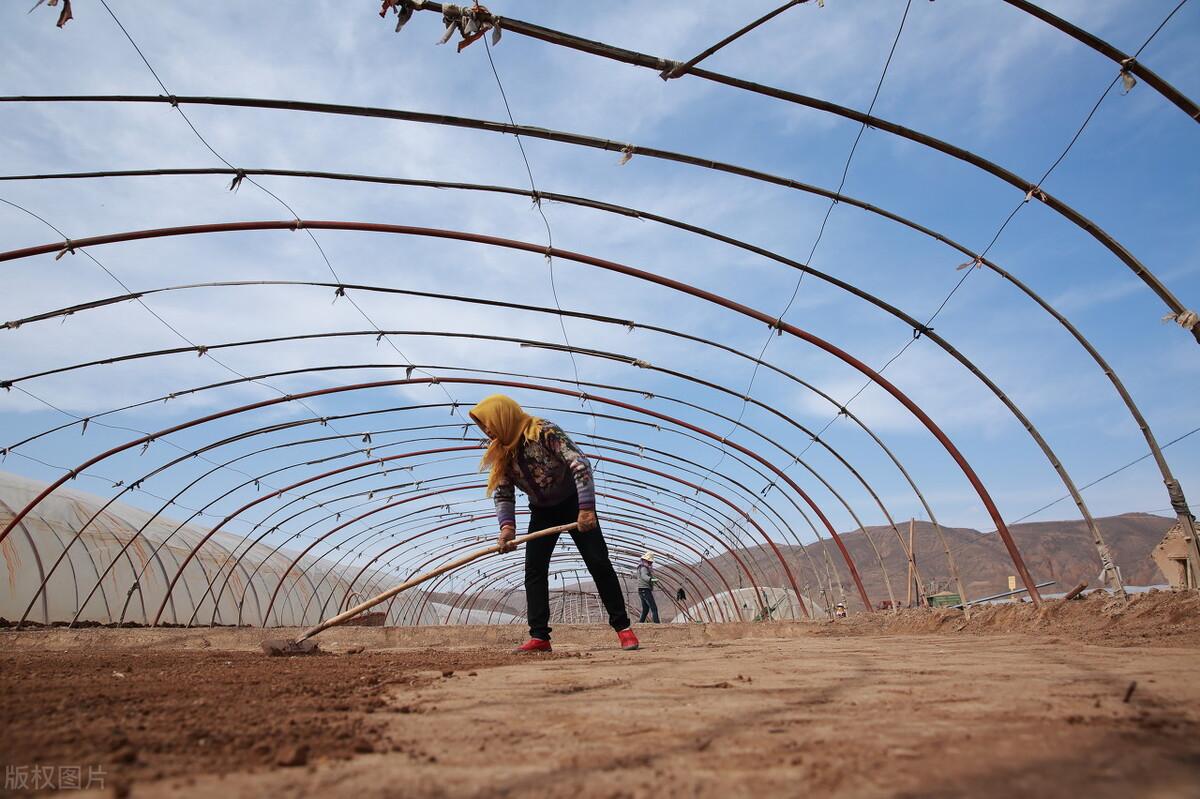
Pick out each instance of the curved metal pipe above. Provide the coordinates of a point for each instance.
(612, 266)
(617, 550)
(1064, 210)
(597, 457)
(659, 64)
(504, 570)
(383, 529)
(1126, 62)
(610, 512)
(485, 517)
(766, 504)
(419, 607)
(1174, 490)
(406, 541)
(325, 503)
(267, 403)
(772, 367)
(431, 590)
(380, 447)
(668, 521)
(359, 493)
(679, 375)
(605, 355)
(594, 353)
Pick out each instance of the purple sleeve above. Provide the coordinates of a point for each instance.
(506, 504)
(581, 470)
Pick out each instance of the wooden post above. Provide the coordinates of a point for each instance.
(914, 574)
(1077, 590)
(909, 597)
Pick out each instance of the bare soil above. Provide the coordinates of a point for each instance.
(148, 715)
(839, 709)
(1161, 618)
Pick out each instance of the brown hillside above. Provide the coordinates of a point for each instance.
(1060, 550)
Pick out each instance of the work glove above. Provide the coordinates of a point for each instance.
(587, 521)
(508, 534)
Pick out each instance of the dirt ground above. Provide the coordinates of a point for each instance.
(846, 709)
(1160, 618)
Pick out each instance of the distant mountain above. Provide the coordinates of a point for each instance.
(1061, 551)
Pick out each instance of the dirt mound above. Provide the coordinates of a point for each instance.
(1158, 618)
(152, 714)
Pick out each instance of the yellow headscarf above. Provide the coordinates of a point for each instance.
(510, 426)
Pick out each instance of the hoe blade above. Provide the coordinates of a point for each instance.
(282, 647)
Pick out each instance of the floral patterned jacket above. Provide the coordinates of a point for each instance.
(548, 470)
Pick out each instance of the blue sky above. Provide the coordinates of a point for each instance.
(978, 74)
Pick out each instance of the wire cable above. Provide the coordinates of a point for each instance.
(242, 176)
(1104, 477)
(537, 204)
(89, 420)
(817, 241)
(1033, 191)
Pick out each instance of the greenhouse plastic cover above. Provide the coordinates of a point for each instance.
(313, 590)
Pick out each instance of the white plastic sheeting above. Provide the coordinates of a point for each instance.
(473, 616)
(125, 545)
(780, 603)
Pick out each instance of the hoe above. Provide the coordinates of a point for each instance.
(304, 646)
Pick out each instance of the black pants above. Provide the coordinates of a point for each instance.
(594, 550)
(649, 606)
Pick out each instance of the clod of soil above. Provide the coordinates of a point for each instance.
(292, 756)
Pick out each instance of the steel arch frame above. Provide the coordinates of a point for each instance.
(425, 596)
(719, 497)
(1169, 481)
(1062, 209)
(324, 504)
(612, 266)
(1174, 489)
(468, 603)
(650, 367)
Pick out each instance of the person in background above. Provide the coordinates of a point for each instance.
(536, 456)
(646, 581)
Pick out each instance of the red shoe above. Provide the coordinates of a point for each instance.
(536, 645)
(628, 639)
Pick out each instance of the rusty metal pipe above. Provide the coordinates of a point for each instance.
(612, 266)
